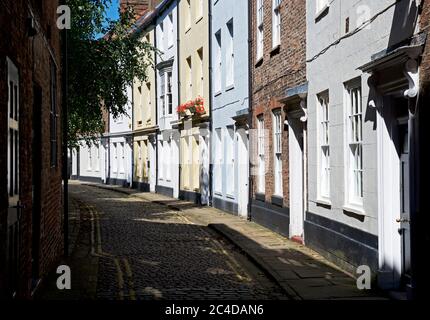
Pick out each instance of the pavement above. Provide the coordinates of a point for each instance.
(301, 273)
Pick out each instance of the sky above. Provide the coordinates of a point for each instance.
(112, 11)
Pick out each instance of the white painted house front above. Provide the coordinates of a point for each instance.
(168, 137)
(120, 157)
(362, 71)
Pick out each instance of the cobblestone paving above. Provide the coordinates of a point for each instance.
(145, 251)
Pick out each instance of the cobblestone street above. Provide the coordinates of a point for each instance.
(144, 250)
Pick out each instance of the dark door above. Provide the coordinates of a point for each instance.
(37, 176)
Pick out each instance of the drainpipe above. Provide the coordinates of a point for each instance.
(250, 181)
(156, 109)
(132, 135)
(210, 108)
(65, 142)
(178, 63)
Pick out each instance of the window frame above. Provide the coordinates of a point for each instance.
(324, 166)
(354, 144)
(229, 56)
(261, 145)
(260, 29)
(277, 151)
(13, 116)
(276, 23)
(230, 160)
(218, 62)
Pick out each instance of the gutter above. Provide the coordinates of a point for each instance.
(250, 101)
(178, 62)
(211, 98)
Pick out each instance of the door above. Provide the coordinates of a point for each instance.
(152, 164)
(36, 180)
(243, 172)
(296, 186)
(404, 219)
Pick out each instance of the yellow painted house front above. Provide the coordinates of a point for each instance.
(194, 84)
(145, 126)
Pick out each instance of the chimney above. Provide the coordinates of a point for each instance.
(140, 7)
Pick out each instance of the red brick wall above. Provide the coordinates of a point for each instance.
(278, 71)
(140, 7)
(32, 56)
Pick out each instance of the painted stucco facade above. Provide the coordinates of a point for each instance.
(230, 105)
(145, 120)
(194, 80)
(167, 98)
(365, 113)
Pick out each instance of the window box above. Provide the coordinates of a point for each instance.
(260, 197)
(278, 201)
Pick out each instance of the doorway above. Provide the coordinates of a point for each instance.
(36, 180)
(243, 172)
(296, 182)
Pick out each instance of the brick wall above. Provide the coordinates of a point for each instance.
(32, 56)
(278, 70)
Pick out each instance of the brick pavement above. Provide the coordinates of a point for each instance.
(302, 273)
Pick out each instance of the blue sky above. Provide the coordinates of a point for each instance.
(112, 11)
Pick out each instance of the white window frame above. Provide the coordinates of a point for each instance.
(168, 158)
(189, 88)
(261, 154)
(122, 158)
(188, 17)
(90, 158)
(139, 159)
(98, 157)
(170, 35)
(324, 169)
(230, 160)
(162, 38)
(200, 55)
(354, 144)
(260, 29)
(229, 55)
(199, 10)
(218, 160)
(115, 157)
(276, 23)
(218, 62)
(321, 5)
(277, 151)
(13, 152)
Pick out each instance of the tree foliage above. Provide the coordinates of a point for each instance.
(101, 67)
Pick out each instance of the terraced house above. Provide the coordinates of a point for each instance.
(145, 116)
(194, 110)
(31, 225)
(167, 96)
(363, 88)
(279, 115)
(230, 105)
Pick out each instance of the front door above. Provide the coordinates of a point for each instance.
(404, 220)
(243, 174)
(296, 186)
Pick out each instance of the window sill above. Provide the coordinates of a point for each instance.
(278, 201)
(275, 50)
(354, 209)
(200, 18)
(259, 62)
(260, 197)
(324, 203)
(230, 196)
(218, 93)
(170, 46)
(230, 87)
(322, 12)
(218, 194)
(187, 29)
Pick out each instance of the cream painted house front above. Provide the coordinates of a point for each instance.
(144, 120)
(194, 80)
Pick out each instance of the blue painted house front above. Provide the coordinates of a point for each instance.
(230, 104)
